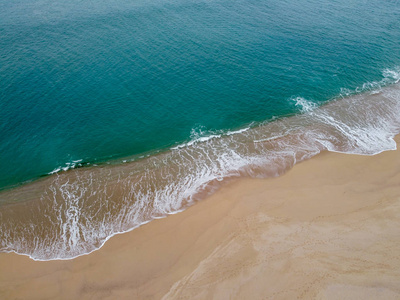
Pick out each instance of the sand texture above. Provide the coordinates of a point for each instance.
(327, 229)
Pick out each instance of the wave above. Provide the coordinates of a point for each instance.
(75, 212)
(200, 135)
(303, 104)
(69, 166)
(390, 76)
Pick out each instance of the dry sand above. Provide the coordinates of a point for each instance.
(328, 229)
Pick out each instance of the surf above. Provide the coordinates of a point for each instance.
(73, 212)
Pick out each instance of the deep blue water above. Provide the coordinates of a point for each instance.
(81, 80)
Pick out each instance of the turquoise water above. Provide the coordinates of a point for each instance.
(114, 114)
(88, 82)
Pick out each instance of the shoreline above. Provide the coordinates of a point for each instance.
(326, 229)
(73, 213)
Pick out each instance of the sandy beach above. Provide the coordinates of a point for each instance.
(327, 229)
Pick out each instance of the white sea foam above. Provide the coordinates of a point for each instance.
(304, 104)
(237, 131)
(392, 75)
(68, 166)
(200, 135)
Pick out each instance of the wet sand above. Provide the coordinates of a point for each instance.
(327, 229)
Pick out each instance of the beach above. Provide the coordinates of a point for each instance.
(199, 150)
(327, 229)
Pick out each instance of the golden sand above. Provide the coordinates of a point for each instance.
(328, 229)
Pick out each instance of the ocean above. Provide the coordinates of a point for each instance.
(114, 114)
